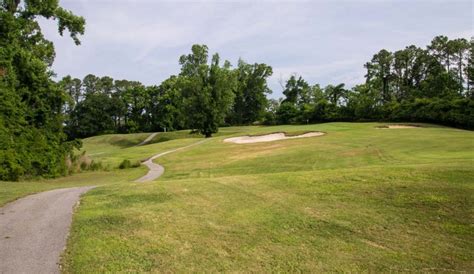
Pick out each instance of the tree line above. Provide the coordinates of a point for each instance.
(205, 95)
(434, 84)
(40, 119)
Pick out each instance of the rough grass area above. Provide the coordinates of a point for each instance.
(10, 191)
(359, 199)
(109, 150)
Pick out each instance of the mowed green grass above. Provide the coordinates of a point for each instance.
(356, 199)
(110, 151)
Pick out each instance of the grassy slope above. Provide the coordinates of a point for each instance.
(358, 198)
(110, 150)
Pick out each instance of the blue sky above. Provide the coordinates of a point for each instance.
(323, 41)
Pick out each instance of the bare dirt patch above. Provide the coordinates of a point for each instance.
(270, 137)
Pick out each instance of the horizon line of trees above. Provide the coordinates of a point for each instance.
(40, 119)
(434, 84)
(205, 95)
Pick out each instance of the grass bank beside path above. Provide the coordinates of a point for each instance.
(10, 191)
(356, 199)
(110, 150)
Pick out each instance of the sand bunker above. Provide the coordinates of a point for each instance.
(399, 126)
(269, 137)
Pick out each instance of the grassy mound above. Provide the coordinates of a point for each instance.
(359, 199)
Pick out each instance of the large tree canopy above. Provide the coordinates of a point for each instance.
(32, 141)
(208, 89)
(250, 93)
(411, 84)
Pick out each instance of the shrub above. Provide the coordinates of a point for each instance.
(127, 164)
(95, 166)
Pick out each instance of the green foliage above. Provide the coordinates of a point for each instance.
(206, 95)
(32, 142)
(125, 164)
(128, 164)
(167, 105)
(287, 113)
(208, 89)
(250, 95)
(202, 97)
(296, 91)
(420, 85)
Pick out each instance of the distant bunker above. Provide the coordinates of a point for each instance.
(270, 137)
(398, 126)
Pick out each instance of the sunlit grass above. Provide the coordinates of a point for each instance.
(356, 199)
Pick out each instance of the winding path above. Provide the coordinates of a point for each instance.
(34, 229)
(148, 139)
(156, 170)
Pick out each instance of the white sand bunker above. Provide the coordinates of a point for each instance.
(269, 137)
(400, 126)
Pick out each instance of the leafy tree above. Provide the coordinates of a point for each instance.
(363, 102)
(379, 73)
(121, 92)
(92, 116)
(250, 94)
(32, 142)
(316, 94)
(297, 91)
(90, 84)
(167, 105)
(335, 93)
(287, 113)
(442, 49)
(409, 70)
(270, 115)
(105, 85)
(470, 69)
(136, 99)
(208, 89)
(73, 88)
(460, 48)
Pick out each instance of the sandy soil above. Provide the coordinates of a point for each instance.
(34, 229)
(269, 137)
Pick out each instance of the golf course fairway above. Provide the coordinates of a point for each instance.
(358, 198)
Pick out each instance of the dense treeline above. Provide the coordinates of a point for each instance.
(434, 84)
(202, 97)
(32, 141)
(41, 119)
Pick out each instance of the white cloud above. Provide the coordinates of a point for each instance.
(324, 41)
